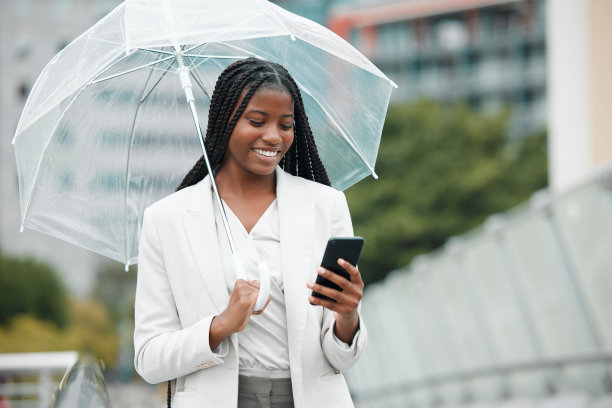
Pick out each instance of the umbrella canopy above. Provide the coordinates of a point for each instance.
(106, 131)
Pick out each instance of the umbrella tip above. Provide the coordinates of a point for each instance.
(127, 267)
(13, 142)
(21, 228)
(374, 175)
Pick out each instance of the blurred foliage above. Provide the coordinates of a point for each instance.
(443, 170)
(31, 287)
(90, 331)
(36, 314)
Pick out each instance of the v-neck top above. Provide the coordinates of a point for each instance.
(263, 346)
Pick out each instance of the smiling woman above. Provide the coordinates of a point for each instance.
(261, 136)
(194, 319)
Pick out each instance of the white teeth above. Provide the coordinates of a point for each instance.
(265, 152)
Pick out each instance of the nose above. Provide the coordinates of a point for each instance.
(272, 135)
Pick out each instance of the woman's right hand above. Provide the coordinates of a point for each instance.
(236, 315)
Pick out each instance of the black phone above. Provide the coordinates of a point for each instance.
(347, 248)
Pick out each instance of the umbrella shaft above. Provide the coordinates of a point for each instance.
(212, 178)
(183, 73)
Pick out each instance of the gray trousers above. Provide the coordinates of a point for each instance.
(258, 392)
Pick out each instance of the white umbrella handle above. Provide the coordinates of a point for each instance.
(264, 286)
(264, 279)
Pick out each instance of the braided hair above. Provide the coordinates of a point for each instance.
(302, 158)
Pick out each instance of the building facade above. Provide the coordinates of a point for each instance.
(488, 53)
(32, 32)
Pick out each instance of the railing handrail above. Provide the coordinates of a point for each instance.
(491, 371)
(20, 363)
(83, 384)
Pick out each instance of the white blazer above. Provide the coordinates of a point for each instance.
(181, 287)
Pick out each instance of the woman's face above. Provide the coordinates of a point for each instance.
(263, 133)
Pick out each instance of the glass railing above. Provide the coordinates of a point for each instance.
(519, 308)
(83, 386)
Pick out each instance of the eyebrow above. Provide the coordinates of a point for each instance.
(266, 114)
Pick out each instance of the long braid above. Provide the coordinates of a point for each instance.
(314, 161)
(302, 158)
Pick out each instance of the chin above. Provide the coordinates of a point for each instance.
(263, 171)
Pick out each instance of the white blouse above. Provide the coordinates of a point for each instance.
(263, 346)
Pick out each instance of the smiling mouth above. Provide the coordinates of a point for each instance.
(267, 153)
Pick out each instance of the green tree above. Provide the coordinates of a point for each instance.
(442, 171)
(36, 314)
(31, 287)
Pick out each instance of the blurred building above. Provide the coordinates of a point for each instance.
(489, 53)
(315, 10)
(31, 33)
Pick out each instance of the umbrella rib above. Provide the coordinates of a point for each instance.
(157, 51)
(128, 164)
(144, 97)
(196, 78)
(170, 57)
(342, 132)
(130, 70)
(241, 49)
(214, 56)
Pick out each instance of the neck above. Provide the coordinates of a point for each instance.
(241, 184)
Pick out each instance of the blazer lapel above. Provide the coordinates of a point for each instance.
(199, 224)
(296, 215)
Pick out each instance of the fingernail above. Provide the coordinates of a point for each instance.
(341, 261)
(321, 271)
(309, 285)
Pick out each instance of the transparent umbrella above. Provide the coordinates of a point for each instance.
(106, 130)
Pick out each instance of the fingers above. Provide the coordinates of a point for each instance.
(247, 293)
(355, 283)
(352, 270)
(339, 280)
(345, 306)
(323, 290)
(347, 299)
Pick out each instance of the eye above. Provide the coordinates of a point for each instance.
(286, 127)
(255, 123)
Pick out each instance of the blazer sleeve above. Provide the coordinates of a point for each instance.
(338, 354)
(163, 349)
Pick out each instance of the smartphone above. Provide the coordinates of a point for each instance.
(347, 248)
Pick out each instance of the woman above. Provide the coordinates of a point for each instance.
(194, 320)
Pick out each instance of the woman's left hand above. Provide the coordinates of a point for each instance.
(346, 300)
